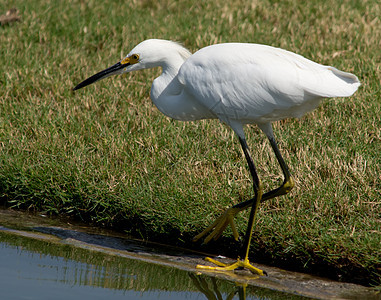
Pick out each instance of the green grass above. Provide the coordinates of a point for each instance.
(106, 155)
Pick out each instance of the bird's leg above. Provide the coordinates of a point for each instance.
(257, 185)
(227, 218)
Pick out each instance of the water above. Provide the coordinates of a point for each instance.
(34, 269)
(30, 275)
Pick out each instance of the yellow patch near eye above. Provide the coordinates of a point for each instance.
(125, 61)
(132, 59)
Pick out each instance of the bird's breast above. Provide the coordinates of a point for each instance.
(181, 107)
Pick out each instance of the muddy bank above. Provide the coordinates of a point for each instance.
(111, 244)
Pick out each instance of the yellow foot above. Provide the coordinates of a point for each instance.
(219, 225)
(226, 267)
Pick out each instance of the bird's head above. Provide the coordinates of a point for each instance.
(148, 54)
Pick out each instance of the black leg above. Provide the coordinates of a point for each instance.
(287, 185)
(257, 185)
(216, 229)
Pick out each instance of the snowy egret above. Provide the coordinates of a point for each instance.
(238, 84)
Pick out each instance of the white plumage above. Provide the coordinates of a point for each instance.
(237, 84)
(258, 84)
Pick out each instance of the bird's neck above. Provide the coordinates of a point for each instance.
(168, 94)
(166, 79)
(163, 89)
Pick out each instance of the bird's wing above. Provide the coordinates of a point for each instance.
(249, 81)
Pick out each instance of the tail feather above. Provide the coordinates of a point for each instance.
(349, 82)
(335, 83)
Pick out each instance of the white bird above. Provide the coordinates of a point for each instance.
(238, 84)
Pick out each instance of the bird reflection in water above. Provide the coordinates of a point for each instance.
(211, 289)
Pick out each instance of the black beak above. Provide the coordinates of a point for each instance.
(102, 74)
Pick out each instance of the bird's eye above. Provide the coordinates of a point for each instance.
(134, 58)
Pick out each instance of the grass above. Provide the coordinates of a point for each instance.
(106, 155)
